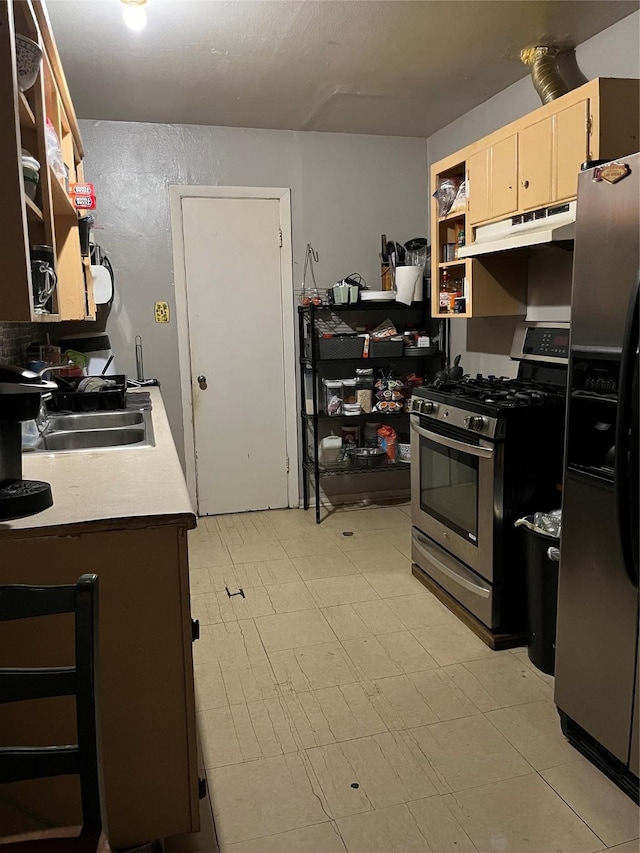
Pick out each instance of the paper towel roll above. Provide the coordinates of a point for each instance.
(406, 279)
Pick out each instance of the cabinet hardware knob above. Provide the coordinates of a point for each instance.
(525, 184)
(202, 382)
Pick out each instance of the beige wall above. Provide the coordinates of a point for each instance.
(485, 343)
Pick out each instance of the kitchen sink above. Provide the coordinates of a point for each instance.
(89, 439)
(94, 420)
(125, 428)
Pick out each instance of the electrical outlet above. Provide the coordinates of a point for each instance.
(162, 312)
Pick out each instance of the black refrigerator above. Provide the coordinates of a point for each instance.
(596, 687)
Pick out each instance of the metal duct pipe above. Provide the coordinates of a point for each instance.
(546, 77)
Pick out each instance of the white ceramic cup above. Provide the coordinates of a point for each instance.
(406, 279)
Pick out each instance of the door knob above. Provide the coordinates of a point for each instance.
(525, 184)
(202, 382)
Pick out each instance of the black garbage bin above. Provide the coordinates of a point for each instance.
(542, 597)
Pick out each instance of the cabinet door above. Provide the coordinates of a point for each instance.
(534, 160)
(478, 187)
(504, 176)
(571, 148)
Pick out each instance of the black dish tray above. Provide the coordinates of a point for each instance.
(68, 399)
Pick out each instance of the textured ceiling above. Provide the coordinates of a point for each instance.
(360, 66)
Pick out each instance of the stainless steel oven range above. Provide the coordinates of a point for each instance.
(485, 451)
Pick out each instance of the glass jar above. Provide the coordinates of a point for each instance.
(349, 391)
(333, 396)
(364, 389)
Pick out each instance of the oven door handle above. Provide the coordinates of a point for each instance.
(463, 576)
(473, 449)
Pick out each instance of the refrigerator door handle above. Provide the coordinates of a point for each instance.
(623, 477)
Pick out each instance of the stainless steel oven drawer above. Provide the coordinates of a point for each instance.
(471, 590)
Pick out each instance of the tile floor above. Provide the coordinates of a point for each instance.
(343, 709)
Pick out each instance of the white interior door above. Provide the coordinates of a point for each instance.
(234, 306)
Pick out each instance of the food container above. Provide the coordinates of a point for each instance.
(330, 450)
(364, 389)
(351, 435)
(371, 434)
(333, 396)
(366, 457)
(351, 409)
(349, 391)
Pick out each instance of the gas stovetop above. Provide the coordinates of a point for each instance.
(485, 405)
(496, 394)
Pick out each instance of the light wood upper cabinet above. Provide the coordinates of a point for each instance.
(493, 181)
(571, 148)
(535, 156)
(504, 176)
(50, 219)
(478, 188)
(531, 163)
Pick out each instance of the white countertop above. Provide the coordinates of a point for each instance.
(109, 489)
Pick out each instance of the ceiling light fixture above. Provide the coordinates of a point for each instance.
(134, 14)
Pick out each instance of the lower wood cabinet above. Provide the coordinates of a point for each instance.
(146, 702)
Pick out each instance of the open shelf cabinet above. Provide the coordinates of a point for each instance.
(51, 218)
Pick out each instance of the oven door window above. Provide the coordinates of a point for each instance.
(449, 488)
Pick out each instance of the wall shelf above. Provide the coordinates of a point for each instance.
(460, 214)
(27, 118)
(346, 469)
(33, 211)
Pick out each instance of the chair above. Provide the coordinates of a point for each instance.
(17, 684)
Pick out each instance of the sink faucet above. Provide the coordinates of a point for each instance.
(54, 367)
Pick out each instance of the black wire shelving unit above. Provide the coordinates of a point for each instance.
(425, 364)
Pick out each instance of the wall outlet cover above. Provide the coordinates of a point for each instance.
(162, 312)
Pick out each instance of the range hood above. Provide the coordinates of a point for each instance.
(534, 228)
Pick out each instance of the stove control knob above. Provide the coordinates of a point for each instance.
(429, 407)
(474, 422)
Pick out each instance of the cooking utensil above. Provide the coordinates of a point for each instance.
(383, 254)
(400, 255)
(139, 360)
(106, 367)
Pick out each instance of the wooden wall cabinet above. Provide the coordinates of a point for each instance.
(535, 155)
(51, 219)
(493, 174)
(570, 148)
(529, 164)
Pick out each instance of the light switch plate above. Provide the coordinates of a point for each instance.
(162, 312)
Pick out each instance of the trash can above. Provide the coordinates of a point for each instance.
(542, 555)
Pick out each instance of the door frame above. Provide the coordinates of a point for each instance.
(283, 196)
